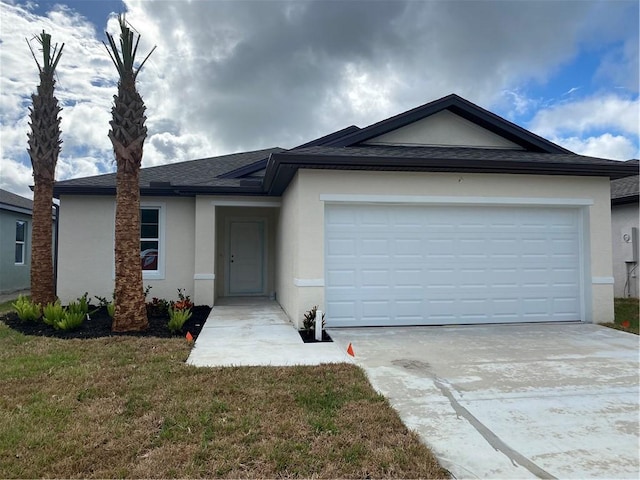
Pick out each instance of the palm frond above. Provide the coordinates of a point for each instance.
(50, 57)
(124, 57)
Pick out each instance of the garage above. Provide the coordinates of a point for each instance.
(389, 264)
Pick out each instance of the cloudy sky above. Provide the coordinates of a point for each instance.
(229, 76)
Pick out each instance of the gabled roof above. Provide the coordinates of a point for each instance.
(16, 203)
(625, 190)
(465, 109)
(269, 171)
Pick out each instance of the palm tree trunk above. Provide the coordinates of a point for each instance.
(42, 289)
(130, 313)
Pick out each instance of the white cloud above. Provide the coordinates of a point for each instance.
(615, 147)
(588, 115)
(231, 76)
(16, 177)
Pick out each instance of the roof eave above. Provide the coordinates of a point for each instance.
(16, 209)
(282, 167)
(173, 191)
(626, 200)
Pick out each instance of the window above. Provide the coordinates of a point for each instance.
(152, 228)
(21, 229)
(150, 239)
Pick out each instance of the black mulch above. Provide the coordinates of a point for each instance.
(309, 336)
(99, 325)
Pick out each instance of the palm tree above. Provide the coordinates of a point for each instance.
(127, 135)
(44, 148)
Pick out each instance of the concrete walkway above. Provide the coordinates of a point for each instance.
(512, 401)
(255, 331)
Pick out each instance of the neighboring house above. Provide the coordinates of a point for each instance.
(445, 214)
(15, 242)
(625, 219)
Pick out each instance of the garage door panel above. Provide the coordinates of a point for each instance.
(340, 247)
(446, 265)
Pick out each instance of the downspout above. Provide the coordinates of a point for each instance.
(56, 223)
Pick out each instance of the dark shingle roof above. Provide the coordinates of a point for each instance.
(452, 153)
(8, 199)
(625, 188)
(204, 172)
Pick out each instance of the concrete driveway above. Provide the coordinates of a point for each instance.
(512, 401)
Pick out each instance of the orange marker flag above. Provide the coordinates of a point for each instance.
(350, 350)
(626, 323)
(189, 337)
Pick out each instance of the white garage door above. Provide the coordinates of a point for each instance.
(439, 265)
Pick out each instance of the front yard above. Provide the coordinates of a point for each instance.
(627, 311)
(130, 407)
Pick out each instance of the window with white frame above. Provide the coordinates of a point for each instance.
(21, 235)
(151, 241)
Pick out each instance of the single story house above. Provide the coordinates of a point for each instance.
(444, 214)
(625, 220)
(15, 242)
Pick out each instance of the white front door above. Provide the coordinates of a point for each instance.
(246, 257)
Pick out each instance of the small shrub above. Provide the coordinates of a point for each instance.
(184, 301)
(83, 303)
(70, 320)
(103, 301)
(53, 313)
(157, 307)
(108, 304)
(77, 308)
(26, 309)
(177, 318)
(309, 322)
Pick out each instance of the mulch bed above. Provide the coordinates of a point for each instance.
(99, 325)
(309, 336)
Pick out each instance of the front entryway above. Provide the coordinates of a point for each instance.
(246, 257)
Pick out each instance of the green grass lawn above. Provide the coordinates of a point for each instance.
(6, 306)
(130, 407)
(626, 315)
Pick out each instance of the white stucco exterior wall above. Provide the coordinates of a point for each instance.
(204, 251)
(287, 250)
(85, 247)
(85, 253)
(623, 219)
(300, 282)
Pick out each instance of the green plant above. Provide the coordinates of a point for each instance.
(184, 301)
(26, 309)
(103, 301)
(83, 303)
(108, 304)
(70, 320)
(177, 318)
(53, 313)
(309, 322)
(157, 307)
(78, 308)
